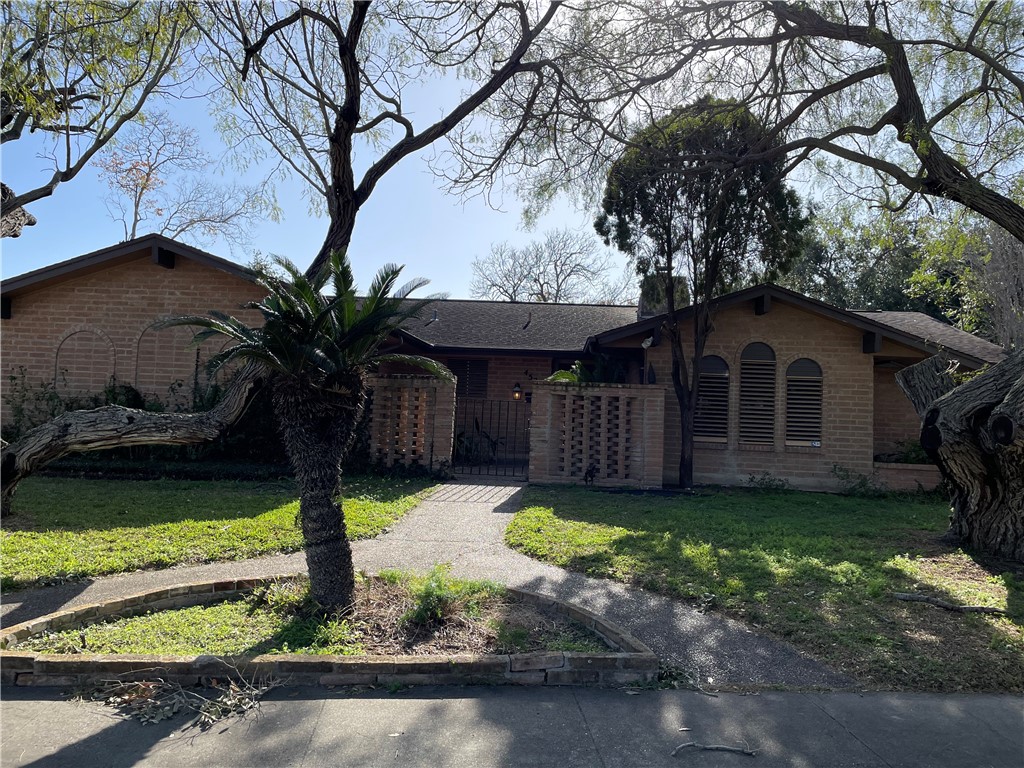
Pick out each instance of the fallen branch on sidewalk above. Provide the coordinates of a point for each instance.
(157, 699)
(715, 748)
(912, 598)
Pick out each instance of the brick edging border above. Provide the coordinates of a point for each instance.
(632, 661)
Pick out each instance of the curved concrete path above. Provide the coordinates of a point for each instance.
(463, 524)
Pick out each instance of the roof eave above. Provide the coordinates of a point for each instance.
(799, 300)
(112, 255)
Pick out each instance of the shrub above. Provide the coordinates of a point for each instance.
(766, 481)
(438, 596)
(857, 484)
(252, 438)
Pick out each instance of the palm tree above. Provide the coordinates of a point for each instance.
(318, 349)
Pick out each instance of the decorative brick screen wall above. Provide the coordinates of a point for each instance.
(412, 421)
(613, 434)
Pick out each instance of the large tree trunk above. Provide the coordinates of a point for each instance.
(115, 426)
(975, 434)
(317, 429)
(16, 219)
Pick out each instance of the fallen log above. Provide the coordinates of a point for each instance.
(910, 597)
(115, 426)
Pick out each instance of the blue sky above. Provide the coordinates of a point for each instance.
(408, 220)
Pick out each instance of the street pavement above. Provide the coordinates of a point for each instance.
(479, 727)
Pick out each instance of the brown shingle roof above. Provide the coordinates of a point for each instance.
(936, 332)
(485, 325)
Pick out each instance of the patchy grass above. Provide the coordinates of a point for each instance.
(815, 569)
(65, 528)
(395, 614)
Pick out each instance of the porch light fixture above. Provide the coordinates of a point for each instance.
(517, 392)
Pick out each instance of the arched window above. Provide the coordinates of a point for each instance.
(711, 421)
(164, 356)
(757, 394)
(84, 363)
(803, 403)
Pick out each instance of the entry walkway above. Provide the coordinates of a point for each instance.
(463, 524)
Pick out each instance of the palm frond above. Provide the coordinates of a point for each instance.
(322, 339)
(439, 370)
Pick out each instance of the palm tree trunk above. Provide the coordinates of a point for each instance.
(316, 428)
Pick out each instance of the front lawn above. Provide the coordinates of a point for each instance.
(816, 569)
(65, 527)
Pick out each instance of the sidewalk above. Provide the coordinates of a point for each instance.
(478, 727)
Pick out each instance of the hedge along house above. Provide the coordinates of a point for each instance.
(796, 388)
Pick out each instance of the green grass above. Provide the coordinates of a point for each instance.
(815, 569)
(282, 618)
(65, 528)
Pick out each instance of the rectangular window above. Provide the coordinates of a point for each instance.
(470, 378)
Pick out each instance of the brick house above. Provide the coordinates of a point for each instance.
(89, 321)
(791, 386)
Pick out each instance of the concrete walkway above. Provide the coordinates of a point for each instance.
(463, 524)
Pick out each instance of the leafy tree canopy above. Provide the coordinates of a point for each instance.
(76, 72)
(671, 212)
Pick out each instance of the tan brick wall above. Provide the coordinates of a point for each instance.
(908, 477)
(848, 399)
(505, 371)
(412, 421)
(617, 429)
(98, 325)
(895, 419)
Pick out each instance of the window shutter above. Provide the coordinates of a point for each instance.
(757, 394)
(803, 403)
(470, 378)
(711, 421)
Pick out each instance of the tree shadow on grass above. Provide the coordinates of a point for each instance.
(821, 581)
(51, 504)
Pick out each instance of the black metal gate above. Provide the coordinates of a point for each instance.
(492, 437)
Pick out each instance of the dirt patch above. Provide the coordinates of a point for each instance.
(400, 616)
(503, 624)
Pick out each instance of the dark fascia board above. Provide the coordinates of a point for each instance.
(772, 291)
(138, 247)
(426, 346)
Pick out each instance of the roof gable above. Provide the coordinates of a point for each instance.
(927, 334)
(162, 250)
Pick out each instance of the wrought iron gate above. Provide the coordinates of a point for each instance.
(492, 437)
